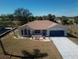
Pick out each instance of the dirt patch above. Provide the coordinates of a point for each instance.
(30, 48)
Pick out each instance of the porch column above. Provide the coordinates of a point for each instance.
(42, 34)
(23, 32)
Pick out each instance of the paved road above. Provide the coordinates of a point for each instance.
(67, 48)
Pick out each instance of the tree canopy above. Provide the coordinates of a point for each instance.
(51, 17)
(21, 16)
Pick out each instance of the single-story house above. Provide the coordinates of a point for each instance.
(43, 28)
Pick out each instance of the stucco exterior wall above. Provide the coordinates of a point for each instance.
(57, 27)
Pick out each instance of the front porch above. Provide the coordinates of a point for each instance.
(34, 33)
(40, 35)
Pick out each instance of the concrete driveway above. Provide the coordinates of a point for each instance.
(67, 48)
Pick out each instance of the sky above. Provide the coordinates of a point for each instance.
(41, 7)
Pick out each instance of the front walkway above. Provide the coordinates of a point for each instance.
(67, 48)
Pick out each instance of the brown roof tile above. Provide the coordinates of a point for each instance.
(41, 24)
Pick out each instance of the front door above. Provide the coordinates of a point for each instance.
(44, 32)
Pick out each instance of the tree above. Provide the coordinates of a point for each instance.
(3, 18)
(70, 22)
(51, 17)
(64, 20)
(45, 18)
(10, 17)
(6, 20)
(76, 19)
(40, 18)
(22, 14)
(31, 18)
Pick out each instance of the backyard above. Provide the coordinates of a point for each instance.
(28, 48)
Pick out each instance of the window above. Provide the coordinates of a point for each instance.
(37, 32)
(22, 32)
(25, 32)
(28, 32)
(44, 32)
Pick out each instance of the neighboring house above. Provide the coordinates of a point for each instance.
(43, 28)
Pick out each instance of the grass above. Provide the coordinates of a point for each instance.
(17, 46)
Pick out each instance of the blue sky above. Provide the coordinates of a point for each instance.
(41, 7)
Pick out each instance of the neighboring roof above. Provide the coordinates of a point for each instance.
(40, 24)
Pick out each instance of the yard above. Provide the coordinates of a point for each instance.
(21, 47)
(73, 33)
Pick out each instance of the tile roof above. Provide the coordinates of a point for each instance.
(41, 24)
